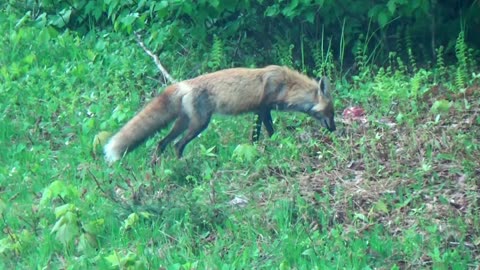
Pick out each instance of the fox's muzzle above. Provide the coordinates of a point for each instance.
(328, 124)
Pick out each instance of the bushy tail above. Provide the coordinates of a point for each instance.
(155, 116)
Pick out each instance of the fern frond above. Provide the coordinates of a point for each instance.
(217, 55)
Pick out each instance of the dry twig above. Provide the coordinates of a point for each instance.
(165, 73)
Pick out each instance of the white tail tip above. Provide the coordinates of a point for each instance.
(111, 154)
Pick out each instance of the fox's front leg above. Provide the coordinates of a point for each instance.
(268, 122)
(263, 116)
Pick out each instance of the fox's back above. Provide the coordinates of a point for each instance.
(234, 90)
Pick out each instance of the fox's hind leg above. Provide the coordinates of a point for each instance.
(195, 128)
(199, 110)
(178, 128)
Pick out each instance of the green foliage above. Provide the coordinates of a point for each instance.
(395, 191)
(66, 228)
(323, 58)
(461, 53)
(188, 27)
(284, 54)
(411, 58)
(14, 244)
(440, 62)
(245, 152)
(361, 56)
(217, 54)
(125, 261)
(419, 84)
(441, 106)
(71, 221)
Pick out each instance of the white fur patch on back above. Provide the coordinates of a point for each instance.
(183, 88)
(187, 104)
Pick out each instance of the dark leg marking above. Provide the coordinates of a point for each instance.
(193, 131)
(178, 128)
(268, 122)
(263, 116)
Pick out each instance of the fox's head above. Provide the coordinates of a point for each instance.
(323, 105)
(303, 94)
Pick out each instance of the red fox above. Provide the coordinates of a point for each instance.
(230, 91)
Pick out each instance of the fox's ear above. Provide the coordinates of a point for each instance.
(324, 86)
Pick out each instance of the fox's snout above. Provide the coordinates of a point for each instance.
(329, 124)
(324, 110)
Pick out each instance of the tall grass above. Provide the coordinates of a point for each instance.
(397, 192)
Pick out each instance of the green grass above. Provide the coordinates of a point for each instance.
(398, 192)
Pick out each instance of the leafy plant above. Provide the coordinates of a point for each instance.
(394, 188)
(461, 53)
(440, 62)
(217, 54)
(168, 22)
(284, 54)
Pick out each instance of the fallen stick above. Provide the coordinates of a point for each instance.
(165, 73)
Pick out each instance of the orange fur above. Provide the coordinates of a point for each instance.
(231, 91)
